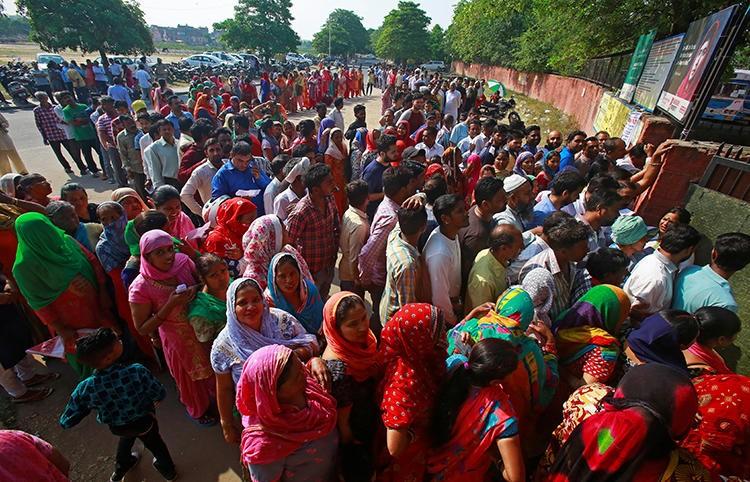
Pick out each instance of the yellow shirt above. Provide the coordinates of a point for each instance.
(487, 280)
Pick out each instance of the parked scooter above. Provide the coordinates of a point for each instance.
(18, 93)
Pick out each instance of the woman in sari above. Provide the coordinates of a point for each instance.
(371, 151)
(634, 432)
(290, 291)
(167, 200)
(532, 384)
(159, 299)
(660, 338)
(251, 325)
(63, 215)
(474, 421)
(403, 140)
(588, 334)
(471, 174)
(335, 157)
(412, 344)
(225, 240)
(265, 237)
(269, 142)
(352, 357)
(61, 281)
(355, 156)
(550, 166)
(113, 254)
(718, 329)
(540, 285)
(324, 133)
(204, 106)
(288, 136)
(289, 419)
(524, 164)
(721, 440)
(265, 88)
(207, 313)
(130, 201)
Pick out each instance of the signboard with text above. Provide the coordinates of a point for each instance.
(656, 70)
(698, 48)
(637, 61)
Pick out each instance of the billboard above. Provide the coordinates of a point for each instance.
(637, 61)
(612, 115)
(655, 72)
(698, 49)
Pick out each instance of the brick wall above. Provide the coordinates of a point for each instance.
(576, 97)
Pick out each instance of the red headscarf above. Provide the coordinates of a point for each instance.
(413, 343)
(226, 98)
(274, 431)
(433, 169)
(228, 231)
(362, 362)
(371, 145)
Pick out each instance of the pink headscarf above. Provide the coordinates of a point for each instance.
(273, 431)
(473, 163)
(182, 268)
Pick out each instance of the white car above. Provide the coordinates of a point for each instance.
(224, 57)
(249, 59)
(433, 66)
(44, 58)
(203, 60)
(295, 58)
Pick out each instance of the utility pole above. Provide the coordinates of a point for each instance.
(329, 39)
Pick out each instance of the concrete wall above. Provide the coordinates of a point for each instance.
(576, 97)
(714, 214)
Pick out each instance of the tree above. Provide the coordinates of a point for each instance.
(403, 35)
(437, 43)
(104, 26)
(347, 34)
(260, 25)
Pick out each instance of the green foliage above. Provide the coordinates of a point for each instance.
(14, 27)
(437, 43)
(104, 26)
(263, 26)
(347, 34)
(560, 35)
(305, 47)
(403, 35)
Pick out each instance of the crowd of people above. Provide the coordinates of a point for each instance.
(503, 314)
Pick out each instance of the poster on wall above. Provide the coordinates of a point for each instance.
(655, 72)
(612, 115)
(629, 132)
(698, 49)
(637, 61)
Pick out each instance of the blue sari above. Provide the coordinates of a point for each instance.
(310, 313)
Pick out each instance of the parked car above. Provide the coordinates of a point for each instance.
(203, 60)
(294, 57)
(249, 59)
(225, 57)
(42, 59)
(129, 61)
(433, 66)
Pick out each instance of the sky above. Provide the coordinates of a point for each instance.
(308, 15)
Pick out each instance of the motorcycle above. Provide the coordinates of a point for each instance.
(18, 93)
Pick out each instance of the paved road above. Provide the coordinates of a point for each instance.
(201, 455)
(40, 158)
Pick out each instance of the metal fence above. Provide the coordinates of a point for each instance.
(728, 175)
(608, 71)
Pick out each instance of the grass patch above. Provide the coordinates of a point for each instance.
(544, 115)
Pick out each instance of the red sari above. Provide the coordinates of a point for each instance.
(413, 344)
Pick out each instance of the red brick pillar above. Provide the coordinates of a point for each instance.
(683, 164)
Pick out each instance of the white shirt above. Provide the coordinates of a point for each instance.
(452, 103)
(62, 124)
(200, 182)
(651, 283)
(144, 79)
(443, 258)
(272, 190)
(430, 152)
(337, 117)
(148, 162)
(282, 201)
(464, 145)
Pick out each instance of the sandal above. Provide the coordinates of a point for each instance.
(33, 395)
(41, 378)
(205, 420)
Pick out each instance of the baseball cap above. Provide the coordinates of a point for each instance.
(138, 105)
(630, 229)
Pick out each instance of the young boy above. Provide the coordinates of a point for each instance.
(123, 397)
(355, 228)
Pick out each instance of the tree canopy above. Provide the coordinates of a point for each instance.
(437, 43)
(403, 35)
(560, 35)
(260, 25)
(347, 34)
(104, 26)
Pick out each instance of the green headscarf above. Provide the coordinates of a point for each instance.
(132, 239)
(47, 260)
